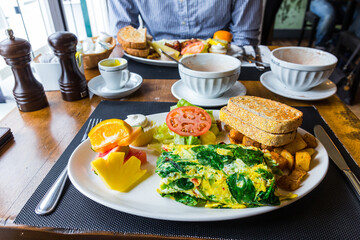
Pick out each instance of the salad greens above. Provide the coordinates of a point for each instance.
(163, 135)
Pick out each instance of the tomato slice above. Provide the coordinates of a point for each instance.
(188, 121)
(196, 47)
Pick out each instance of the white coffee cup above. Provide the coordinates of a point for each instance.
(114, 72)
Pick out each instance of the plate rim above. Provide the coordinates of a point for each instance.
(226, 214)
(282, 93)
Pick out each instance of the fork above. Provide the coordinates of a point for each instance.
(48, 203)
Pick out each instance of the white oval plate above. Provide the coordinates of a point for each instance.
(233, 50)
(143, 200)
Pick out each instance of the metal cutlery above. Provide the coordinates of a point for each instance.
(250, 59)
(336, 157)
(173, 58)
(48, 203)
(259, 67)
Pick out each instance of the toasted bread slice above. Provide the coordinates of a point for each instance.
(130, 37)
(249, 130)
(265, 114)
(137, 52)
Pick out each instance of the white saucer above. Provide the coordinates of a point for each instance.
(97, 86)
(322, 91)
(179, 90)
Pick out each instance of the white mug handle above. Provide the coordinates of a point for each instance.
(125, 75)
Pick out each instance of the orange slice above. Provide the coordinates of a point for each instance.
(223, 35)
(111, 133)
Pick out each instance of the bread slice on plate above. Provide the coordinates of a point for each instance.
(265, 114)
(137, 52)
(251, 131)
(130, 37)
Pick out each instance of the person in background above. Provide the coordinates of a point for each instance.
(186, 19)
(329, 12)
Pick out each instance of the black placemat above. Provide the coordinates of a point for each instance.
(330, 211)
(157, 72)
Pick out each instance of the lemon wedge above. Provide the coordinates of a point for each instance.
(116, 174)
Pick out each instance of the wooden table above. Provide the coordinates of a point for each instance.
(42, 136)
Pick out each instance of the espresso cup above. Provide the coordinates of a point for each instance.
(114, 72)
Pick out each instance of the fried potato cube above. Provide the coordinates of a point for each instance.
(310, 140)
(236, 135)
(282, 162)
(278, 150)
(289, 157)
(302, 160)
(291, 182)
(227, 128)
(311, 151)
(296, 145)
(249, 142)
(234, 141)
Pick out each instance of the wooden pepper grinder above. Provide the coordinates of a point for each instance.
(72, 82)
(28, 92)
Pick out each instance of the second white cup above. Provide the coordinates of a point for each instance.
(114, 72)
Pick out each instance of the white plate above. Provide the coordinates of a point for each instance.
(143, 200)
(164, 63)
(179, 90)
(322, 91)
(97, 86)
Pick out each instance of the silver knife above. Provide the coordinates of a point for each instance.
(258, 58)
(336, 156)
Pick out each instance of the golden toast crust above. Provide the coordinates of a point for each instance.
(130, 37)
(251, 131)
(265, 114)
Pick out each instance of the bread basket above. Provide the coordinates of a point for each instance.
(91, 60)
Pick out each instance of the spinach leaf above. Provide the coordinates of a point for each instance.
(184, 184)
(210, 158)
(241, 188)
(269, 196)
(249, 156)
(265, 174)
(166, 164)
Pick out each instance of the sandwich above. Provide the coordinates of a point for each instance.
(267, 122)
(134, 41)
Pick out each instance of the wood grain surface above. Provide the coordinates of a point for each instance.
(40, 137)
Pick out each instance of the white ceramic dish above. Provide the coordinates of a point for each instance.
(179, 90)
(301, 68)
(211, 74)
(143, 200)
(322, 91)
(233, 50)
(97, 86)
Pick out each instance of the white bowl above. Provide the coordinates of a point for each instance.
(301, 68)
(211, 74)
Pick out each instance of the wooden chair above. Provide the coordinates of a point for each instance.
(310, 20)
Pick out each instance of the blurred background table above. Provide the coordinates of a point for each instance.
(42, 136)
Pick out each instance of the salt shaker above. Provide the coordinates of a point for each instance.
(72, 82)
(29, 93)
